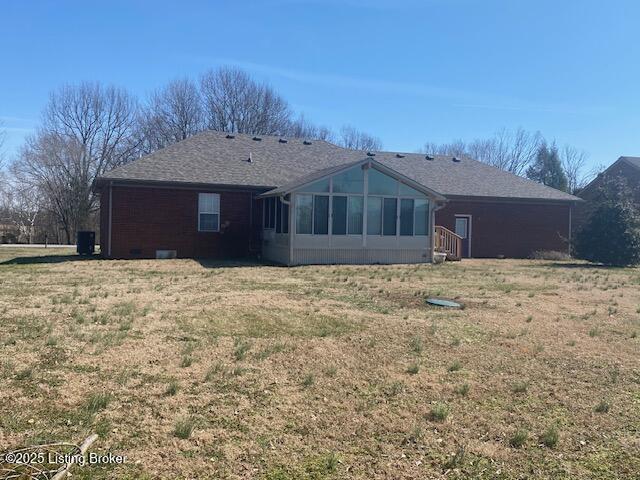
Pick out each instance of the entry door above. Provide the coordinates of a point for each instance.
(463, 229)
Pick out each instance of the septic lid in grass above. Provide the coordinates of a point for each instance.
(441, 302)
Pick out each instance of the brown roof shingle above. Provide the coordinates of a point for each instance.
(212, 158)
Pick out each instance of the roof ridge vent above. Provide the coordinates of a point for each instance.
(399, 155)
(371, 154)
(283, 140)
(306, 142)
(257, 139)
(455, 159)
(429, 157)
(231, 136)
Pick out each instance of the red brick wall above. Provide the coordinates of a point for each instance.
(103, 234)
(148, 219)
(514, 230)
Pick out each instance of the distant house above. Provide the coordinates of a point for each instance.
(627, 168)
(294, 201)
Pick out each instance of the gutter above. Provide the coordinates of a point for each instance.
(487, 199)
(179, 185)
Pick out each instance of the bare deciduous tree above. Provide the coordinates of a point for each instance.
(3, 136)
(574, 162)
(357, 140)
(54, 167)
(22, 208)
(173, 113)
(234, 102)
(3, 176)
(510, 151)
(455, 148)
(86, 130)
(303, 128)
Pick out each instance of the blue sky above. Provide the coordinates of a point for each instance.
(407, 71)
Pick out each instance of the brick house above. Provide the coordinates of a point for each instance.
(627, 168)
(293, 201)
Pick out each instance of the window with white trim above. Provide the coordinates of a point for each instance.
(208, 212)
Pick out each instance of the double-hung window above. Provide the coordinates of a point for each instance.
(208, 212)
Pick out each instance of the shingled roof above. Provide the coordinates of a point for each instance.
(633, 161)
(266, 162)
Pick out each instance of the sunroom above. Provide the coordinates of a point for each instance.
(360, 213)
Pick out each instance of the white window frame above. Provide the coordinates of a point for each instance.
(200, 212)
(295, 213)
(284, 220)
(428, 200)
(273, 212)
(347, 196)
(313, 215)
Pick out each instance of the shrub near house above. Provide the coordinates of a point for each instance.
(611, 233)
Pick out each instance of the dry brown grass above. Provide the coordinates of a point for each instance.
(287, 373)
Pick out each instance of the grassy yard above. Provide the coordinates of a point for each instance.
(196, 370)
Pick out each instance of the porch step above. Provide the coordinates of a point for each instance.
(448, 242)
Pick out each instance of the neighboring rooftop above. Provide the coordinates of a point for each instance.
(635, 161)
(217, 158)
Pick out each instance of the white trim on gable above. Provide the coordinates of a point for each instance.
(366, 164)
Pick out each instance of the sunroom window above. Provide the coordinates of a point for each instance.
(356, 205)
(320, 214)
(421, 217)
(351, 181)
(339, 215)
(389, 216)
(406, 216)
(392, 207)
(304, 214)
(320, 186)
(270, 212)
(381, 184)
(374, 216)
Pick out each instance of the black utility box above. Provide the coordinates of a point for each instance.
(86, 243)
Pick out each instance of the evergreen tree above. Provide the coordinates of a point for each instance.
(547, 168)
(611, 234)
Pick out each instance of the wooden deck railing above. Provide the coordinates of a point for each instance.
(448, 242)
